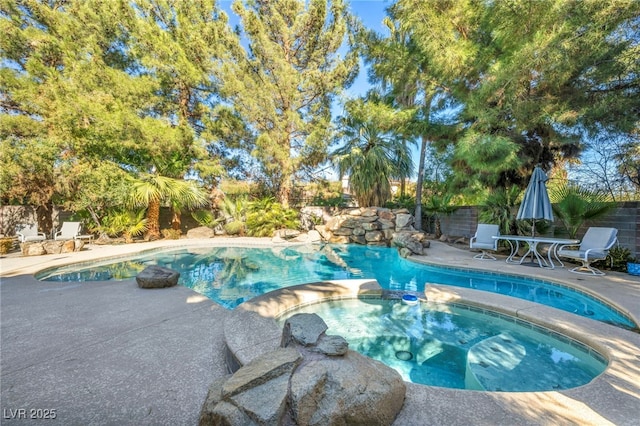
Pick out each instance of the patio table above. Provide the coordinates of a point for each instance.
(532, 245)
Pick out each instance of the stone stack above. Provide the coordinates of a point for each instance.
(37, 248)
(312, 379)
(375, 226)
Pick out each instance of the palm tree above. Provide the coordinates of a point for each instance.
(574, 205)
(372, 154)
(151, 190)
(371, 159)
(439, 205)
(500, 207)
(405, 78)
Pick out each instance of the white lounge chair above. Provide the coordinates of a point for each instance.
(594, 246)
(483, 240)
(68, 231)
(30, 233)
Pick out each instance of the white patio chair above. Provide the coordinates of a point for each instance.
(483, 240)
(68, 231)
(594, 246)
(30, 232)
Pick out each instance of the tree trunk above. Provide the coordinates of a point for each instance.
(437, 226)
(44, 216)
(284, 193)
(176, 219)
(153, 221)
(418, 213)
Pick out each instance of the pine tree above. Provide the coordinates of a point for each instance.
(285, 80)
(537, 74)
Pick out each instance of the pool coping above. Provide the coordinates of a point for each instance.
(251, 330)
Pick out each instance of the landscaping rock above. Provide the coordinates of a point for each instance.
(302, 329)
(325, 234)
(201, 232)
(373, 226)
(358, 239)
(286, 234)
(332, 345)
(352, 389)
(408, 241)
(37, 248)
(339, 239)
(32, 249)
(405, 252)
(314, 380)
(404, 221)
(374, 236)
(155, 276)
(314, 236)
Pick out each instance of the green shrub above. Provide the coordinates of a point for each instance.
(6, 244)
(616, 261)
(266, 216)
(171, 234)
(403, 202)
(500, 207)
(337, 201)
(124, 223)
(234, 228)
(206, 218)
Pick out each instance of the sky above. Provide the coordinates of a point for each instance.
(371, 13)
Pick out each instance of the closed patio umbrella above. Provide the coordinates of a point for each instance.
(536, 204)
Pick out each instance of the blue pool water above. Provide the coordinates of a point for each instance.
(231, 275)
(455, 346)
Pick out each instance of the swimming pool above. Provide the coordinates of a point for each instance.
(458, 346)
(232, 275)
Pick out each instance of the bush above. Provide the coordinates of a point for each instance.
(616, 261)
(266, 216)
(6, 244)
(337, 201)
(234, 228)
(171, 234)
(206, 218)
(403, 202)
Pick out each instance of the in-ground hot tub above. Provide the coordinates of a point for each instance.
(458, 346)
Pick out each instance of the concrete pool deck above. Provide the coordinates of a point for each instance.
(111, 353)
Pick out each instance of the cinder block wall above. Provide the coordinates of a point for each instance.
(462, 223)
(625, 217)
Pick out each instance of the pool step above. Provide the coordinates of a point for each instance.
(492, 362)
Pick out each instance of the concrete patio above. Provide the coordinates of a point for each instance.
(98, 353)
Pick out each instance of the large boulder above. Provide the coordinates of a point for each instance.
(313, 379)
(32, 249)
(155, 276)
(201, 232)
(410, 241)
(404, 221)
(348, 390)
